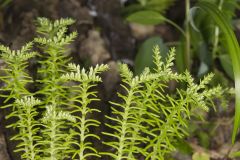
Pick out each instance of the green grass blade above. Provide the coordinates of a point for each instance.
(234, 51)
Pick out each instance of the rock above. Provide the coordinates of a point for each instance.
(27, 30)
(141, 31)
(93, 48)
(3, 151)
(111, 78)
(120, 41)
(74, 9)
(164, 31)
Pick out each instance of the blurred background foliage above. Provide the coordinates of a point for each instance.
(203, 47)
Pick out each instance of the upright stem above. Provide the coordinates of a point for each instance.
(124, 126)
(216, 33)
(83, 126)
(53, 102)
(140, 114)
(19, 93)
(53, 137)
(187, 33)
(30, 134)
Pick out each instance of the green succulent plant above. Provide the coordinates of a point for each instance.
(56, 121)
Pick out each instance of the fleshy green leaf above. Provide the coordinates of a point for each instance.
(152, 18)
(146, 17)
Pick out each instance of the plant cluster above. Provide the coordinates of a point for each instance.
(56, 121)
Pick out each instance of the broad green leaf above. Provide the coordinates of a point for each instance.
(159, 5)
(146, 17)
(233, 50)
(144, 57)
(227, 65)
(151, 18)
(142, 2)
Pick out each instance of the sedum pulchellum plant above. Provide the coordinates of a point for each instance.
(83, 96)
(56, 121)
(30, 126)
(151, 118)
(13, 72)
(15, 79)
(53, 61)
